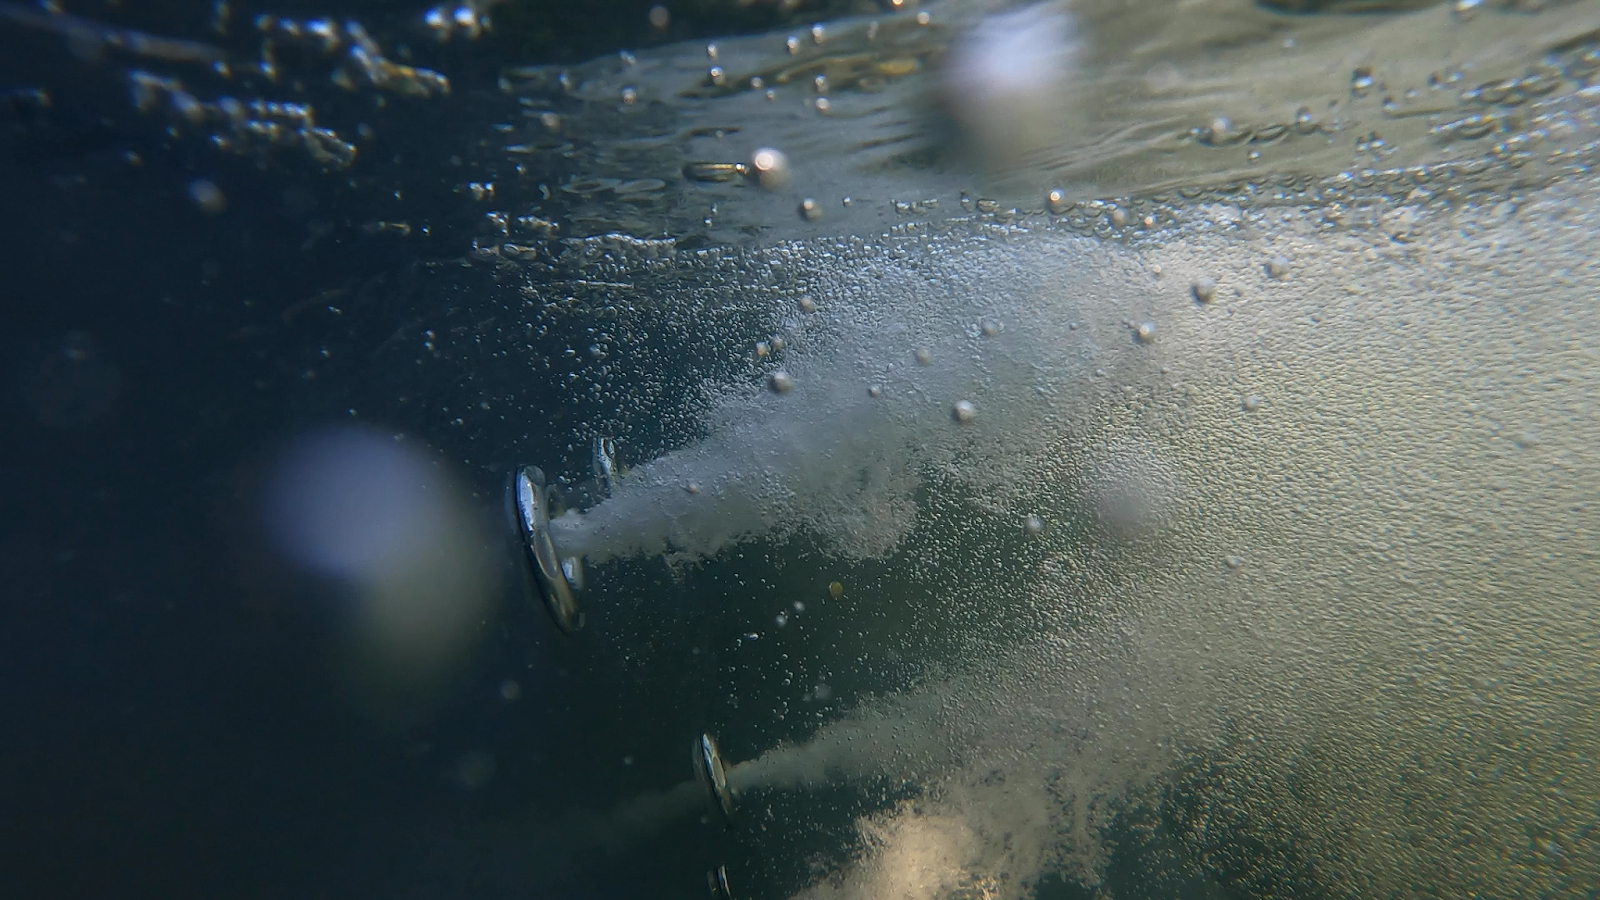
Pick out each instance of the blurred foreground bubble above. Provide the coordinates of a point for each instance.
(1005, 83)
(386, 524)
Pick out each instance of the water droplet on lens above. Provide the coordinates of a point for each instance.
(810, 210)
(963, 411)
(1251, 402)
(923, 356)
(1033, 526)
(1145, 332)
(780, 382)
(1278, 266)
(1205, 289)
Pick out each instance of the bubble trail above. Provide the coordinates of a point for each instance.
(837, 441)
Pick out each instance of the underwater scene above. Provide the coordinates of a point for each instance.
(760, 449)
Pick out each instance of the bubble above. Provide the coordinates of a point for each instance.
(771, 168)
(207, 196)
(963, 411)
(835, 589)
(810, 209)
(780, 620)
(1145, 332)
(1057, 202)
(1361, 81)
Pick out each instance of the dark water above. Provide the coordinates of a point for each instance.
(180, 714)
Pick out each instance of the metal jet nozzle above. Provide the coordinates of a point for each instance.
(556, 580)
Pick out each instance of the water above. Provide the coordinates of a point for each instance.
(1135, 449)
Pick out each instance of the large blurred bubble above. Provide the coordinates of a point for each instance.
(1005, 83)
(390, 528)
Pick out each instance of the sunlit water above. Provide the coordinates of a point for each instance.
(1295, 373)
